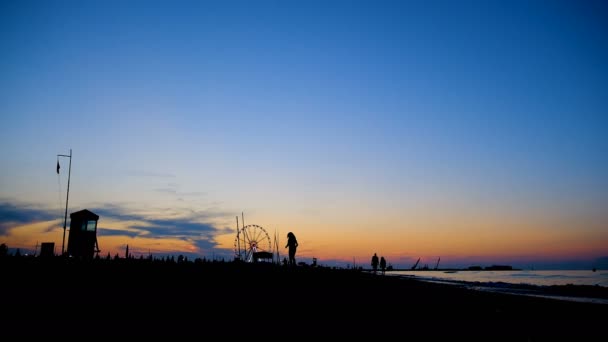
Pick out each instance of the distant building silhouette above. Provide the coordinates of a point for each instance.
(82, 242)
(47, 249)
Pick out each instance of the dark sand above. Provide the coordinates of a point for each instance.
(210, 301)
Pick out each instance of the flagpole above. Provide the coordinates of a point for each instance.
(65, 217)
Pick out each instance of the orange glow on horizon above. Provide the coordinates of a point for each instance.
(462, 240)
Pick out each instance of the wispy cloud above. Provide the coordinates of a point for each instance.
(185, 224)
(192, 193)
(142, 173)
(13, 214)
(194, 227)
(102, 231)
(126, 212)
(173, 189)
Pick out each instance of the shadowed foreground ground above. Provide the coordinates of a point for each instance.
(122, 298)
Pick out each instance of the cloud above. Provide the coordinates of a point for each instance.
(151, 216)
(142, 173)
(193, 228)
(115, 212)
(176, 227)
(173, 189)
(166, 191)
(206, 245)
(101, 231)
(12, 214)
(192, 193)
(188, 225)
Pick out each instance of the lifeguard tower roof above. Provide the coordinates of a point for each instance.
(84, 215)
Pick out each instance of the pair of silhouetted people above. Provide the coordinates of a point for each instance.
(381, 262)
(292, 243)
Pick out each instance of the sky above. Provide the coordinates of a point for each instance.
(474, 131)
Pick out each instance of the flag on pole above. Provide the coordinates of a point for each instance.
(58, 167)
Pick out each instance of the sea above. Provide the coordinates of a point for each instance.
(515, 282)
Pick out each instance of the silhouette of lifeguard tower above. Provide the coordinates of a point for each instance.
(82, 242)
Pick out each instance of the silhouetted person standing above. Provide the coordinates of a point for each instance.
(375, 263)
(292, 243)
(382, 265)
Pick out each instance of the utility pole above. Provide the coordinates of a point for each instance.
(65, 217)
(238, 237)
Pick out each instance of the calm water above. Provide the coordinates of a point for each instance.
(556, 277)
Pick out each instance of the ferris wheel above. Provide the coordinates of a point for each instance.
(251, 239)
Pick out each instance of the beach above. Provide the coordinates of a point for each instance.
(144, 298)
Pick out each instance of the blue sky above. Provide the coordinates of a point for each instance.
(368, 119)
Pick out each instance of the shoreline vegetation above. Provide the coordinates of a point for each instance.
(145, 297)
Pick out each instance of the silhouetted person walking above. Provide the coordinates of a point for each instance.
(382, 265)
(375, 263)
(292, 243)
